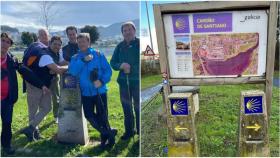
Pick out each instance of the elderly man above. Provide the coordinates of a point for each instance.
(37, 58)
(126, 60)
(72, 47)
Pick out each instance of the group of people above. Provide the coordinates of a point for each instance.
(45, 60)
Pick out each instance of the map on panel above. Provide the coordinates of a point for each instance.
(225, 54)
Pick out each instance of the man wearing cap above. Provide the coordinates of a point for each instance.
(126, 60)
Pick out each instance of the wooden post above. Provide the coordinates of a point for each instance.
(271, 54)
(182, 140)
(253, 125)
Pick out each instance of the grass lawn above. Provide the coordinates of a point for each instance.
(216, 123)
(50, 147)
(149, 81)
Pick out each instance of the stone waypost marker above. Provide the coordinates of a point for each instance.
(72, 126)
(253, 125)
(182, 140)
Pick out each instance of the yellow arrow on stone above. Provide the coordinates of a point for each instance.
(178, 128)
(256, 127)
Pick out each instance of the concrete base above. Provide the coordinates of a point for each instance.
(72, 129)
(72, 125)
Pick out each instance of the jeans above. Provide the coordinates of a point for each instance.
(6, 117)
(129, 95)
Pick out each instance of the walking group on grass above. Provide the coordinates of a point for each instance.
(42, 64)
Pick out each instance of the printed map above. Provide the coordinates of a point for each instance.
(225, 54)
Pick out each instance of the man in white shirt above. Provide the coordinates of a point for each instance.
(38, 59)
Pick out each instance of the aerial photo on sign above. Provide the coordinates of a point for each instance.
(225, 54)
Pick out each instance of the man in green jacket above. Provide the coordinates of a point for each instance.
(126, 60)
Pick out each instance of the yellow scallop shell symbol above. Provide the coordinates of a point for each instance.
(253, 105)
(179, 107)
(180, 24)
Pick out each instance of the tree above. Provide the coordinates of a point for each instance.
(93, 32)
(6, 28)
(27, 38)
(35, 38)
(48, 13)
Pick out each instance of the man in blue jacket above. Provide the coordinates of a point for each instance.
(94, 72)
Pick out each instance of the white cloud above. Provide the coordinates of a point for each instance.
(21, 7)
(18, 22)
(145, 40)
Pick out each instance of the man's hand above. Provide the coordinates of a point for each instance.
(125, 67)
(45, 90)
(52, 72)
(97, 83)
(88, 58)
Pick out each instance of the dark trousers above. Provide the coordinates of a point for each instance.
(6, 117)
(129, 95)
(96, 112)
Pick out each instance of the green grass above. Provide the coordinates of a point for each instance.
(50, 147)
(149, 81)
(216, 122)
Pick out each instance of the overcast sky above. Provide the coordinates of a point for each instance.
(78, 13)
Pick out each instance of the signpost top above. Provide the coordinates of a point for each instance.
(216, 42)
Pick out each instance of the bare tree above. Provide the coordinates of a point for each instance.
(48, 13)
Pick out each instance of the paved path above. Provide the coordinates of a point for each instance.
(276, 82)
(150, 92)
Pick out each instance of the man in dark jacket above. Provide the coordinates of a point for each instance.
(41, 63)
(54, 52)
(9, 89)
(72, 47)
(126, 60)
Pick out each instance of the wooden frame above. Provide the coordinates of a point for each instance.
(267, 79)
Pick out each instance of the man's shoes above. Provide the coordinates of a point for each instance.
(9, 150)
(36, 135)
(29, 132)
(127, 136)
(111, 140)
